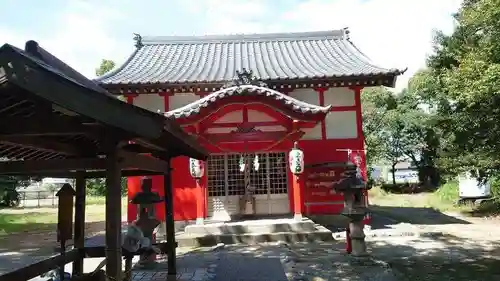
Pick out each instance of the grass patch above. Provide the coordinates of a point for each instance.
(443, 198)
(18, 220)
(15, 223)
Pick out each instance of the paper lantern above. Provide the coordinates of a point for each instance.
(296, 160)
(196, 168)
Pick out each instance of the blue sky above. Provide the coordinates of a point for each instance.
(393, 33)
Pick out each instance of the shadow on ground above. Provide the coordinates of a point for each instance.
(21, 249)
(445, 257)
(416, 215)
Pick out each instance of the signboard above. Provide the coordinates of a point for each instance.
(319, 195)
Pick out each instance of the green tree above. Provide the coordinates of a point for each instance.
(105, 67)
(375, 102)
(466, 65)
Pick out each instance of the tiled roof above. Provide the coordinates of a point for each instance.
(248, 90)
(216, 58)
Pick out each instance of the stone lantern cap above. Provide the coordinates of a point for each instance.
(146, 196)
(351, 181)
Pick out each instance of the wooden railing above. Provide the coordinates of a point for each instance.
(36, 269)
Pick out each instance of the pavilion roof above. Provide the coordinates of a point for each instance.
(215, 58)
(50, 111)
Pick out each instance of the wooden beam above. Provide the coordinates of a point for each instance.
(252, 124)
(40, 144)
(241, 137)
(79, 238)
(44, 126)
(169, 224)
(142, 162)
(40, 166)
(113, 214)
(88, 174)
(35, 269)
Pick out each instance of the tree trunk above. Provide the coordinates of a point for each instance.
(394, 173)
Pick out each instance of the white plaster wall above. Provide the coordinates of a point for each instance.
(257, 116)
(181, 99)
(153, 102)
(313, 133)
(341, 125)
(233, 116)
(339, 97)
(306, 95)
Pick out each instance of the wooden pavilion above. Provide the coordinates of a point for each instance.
(55, 122)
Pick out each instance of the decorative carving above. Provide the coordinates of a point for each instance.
(138, 40)
(244, 128)
(244, 77)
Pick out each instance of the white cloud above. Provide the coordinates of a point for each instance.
(83, 38)
(393, 33)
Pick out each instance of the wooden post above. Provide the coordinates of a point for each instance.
(113, 216)
(169, 224)
(79, 238)
(64, 219)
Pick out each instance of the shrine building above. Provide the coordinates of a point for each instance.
(247, 99)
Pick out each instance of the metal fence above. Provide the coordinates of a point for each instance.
(37, 199)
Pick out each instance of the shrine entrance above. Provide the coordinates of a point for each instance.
(266, 173)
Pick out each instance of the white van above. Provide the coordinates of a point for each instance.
(471, 189)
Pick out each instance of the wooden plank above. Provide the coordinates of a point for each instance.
(44, 126)
(113, 213)
(35, 269)
(79, 239)
(40, 144)
(40, 166)
(30, 76)
(89, 174)
(169, 223)
(142, 162)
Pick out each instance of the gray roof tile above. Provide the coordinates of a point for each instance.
(216, 58)
(249, 90)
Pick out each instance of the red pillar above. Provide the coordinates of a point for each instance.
(133, 186)
(297, 187)
(200, 201)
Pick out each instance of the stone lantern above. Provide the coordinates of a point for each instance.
(353, 187)
(147, 221)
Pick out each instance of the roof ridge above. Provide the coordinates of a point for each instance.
(283, 36)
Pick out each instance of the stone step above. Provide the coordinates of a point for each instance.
(318, 234)
(250, 227)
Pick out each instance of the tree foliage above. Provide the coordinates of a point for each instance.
(447, 119)
(396, 129)
(105, 67)
(466, 66)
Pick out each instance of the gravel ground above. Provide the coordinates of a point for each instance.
(465, 249)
